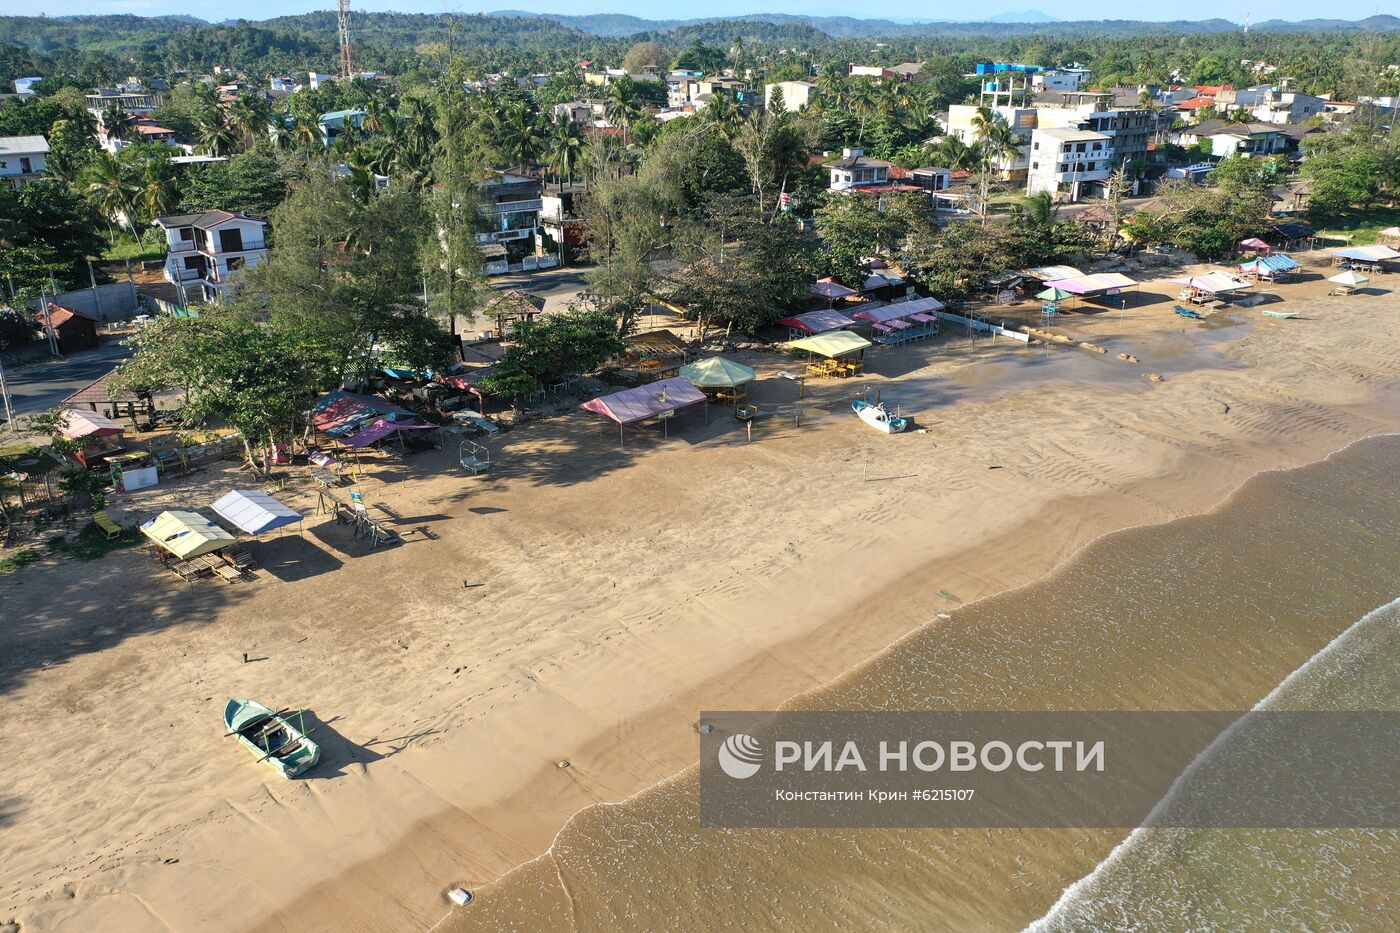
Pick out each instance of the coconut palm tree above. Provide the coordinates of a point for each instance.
(518, 133)
(863, 100)
(216, 136)
(721, 113)
(565, 146)
(247, 116)
(109, 189)
(117, 123)
(156, 189)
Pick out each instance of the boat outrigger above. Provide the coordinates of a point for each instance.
(878, 418)
(272, 737)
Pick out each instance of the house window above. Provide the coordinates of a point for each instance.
(230, 241)
(1035, 165)
(186, 234)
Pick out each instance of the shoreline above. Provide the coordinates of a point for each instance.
(1017, 474)
(307, 906)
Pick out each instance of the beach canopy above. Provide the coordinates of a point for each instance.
(1054, 294)
(186, 534)
(87, 424)
(253, 512)
(381, 428)
(830, 289)
(717, 373)
(1375, 253)
(1268, 265)
(899, 310)
(1213, 282)
(879, 280)
(1052, 273)
(818, 322)
(1255, 243)
(339, 412)
(632, 405)
(1349, 279)
(1098, 284)
(832, 345)
(1390, 231)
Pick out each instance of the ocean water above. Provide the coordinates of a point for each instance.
(1271, 600)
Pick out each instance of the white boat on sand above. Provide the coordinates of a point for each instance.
(878, 418)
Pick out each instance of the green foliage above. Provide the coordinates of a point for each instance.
(16, 560)
(546, 348)
(92, 543)
(852, 228)
(16, 329)
(45, 226)
(254, 182)
(1206, 221)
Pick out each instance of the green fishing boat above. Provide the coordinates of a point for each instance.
(279, 738)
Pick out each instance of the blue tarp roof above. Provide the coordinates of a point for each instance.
(254, 512)
(1275, 263)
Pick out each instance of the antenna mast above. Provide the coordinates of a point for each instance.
(345, 69)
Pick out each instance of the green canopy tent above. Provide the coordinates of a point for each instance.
(725, 377)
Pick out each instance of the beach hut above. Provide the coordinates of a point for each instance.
(660, 400)
(725, 378)
(186, 534)
(1209, 286)
(1348, 282)
(903, 321)
(100, 435)
(254, 513)
(1099, 285)
(828, 291)
(1390, 236)
(1257, 244)
(837, 348)
(816, 322)
(1272, 268)
(1369, 258)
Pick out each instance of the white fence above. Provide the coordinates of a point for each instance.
(984, 326)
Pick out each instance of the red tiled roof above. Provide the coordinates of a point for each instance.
(1196, 102)
(59, 315)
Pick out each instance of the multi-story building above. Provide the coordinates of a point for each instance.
(681, 92)
(132, 98)
(857, 170)
(1012, 165)
(510, 205)
(1069, 163)
(206, 251)
(796, 94)
(22, 159)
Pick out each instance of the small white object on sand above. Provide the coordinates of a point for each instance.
(460, 896)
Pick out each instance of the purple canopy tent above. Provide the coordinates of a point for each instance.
(654, 400)
(900, 310)
(381, 429)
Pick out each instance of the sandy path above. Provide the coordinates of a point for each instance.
(622, 591)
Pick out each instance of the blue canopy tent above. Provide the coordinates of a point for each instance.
(255, 513)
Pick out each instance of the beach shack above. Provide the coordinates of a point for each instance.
(1107, 286)
(1365, 258)
(723, 380)
(903, 321)
(842, 353)
(816, 322)
(1209, 288)
(655, 401)
(825, 293)
(101, 437)
(1390, 236)
(1274, 268)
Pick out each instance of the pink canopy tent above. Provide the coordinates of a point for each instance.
(900, 310)
(87, 424)
(831, 290)
(1257, 244)
(817, 322)
(649, 401)
(1100, 284)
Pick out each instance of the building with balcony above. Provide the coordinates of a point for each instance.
(510, 204)
(22, 159)
(1069, 163)
(856, 170)
(132, 98)
(207, 251)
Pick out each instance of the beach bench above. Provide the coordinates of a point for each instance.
(108, 527)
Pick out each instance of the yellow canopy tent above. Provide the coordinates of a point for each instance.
(186, 534)
(832, 344)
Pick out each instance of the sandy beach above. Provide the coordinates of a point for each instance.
(544, 636)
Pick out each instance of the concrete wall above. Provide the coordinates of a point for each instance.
(116, 301)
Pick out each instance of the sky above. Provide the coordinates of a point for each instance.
(911, 9)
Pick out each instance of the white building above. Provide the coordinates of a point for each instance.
(206, 251)
(132, 98)
(1068, 162)
(315, 79)
(1060, 79)
(24, 87)
(1022, 120)
(22, 158)
(796, 94)
(854, 170)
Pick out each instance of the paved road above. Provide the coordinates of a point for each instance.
(558, 287)
(37, 387)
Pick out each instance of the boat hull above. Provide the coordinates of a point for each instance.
(878, 418)
(271, 737)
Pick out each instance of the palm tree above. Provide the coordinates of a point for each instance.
(518, 134)
(247, 115)
(110, 191)
(832, 85)
(156, 192)
(863, 100)
(117, 122)
(957, 155)
(722, 114)
(565, 146)
(216, 136)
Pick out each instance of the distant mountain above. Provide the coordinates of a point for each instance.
(1025, 16)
